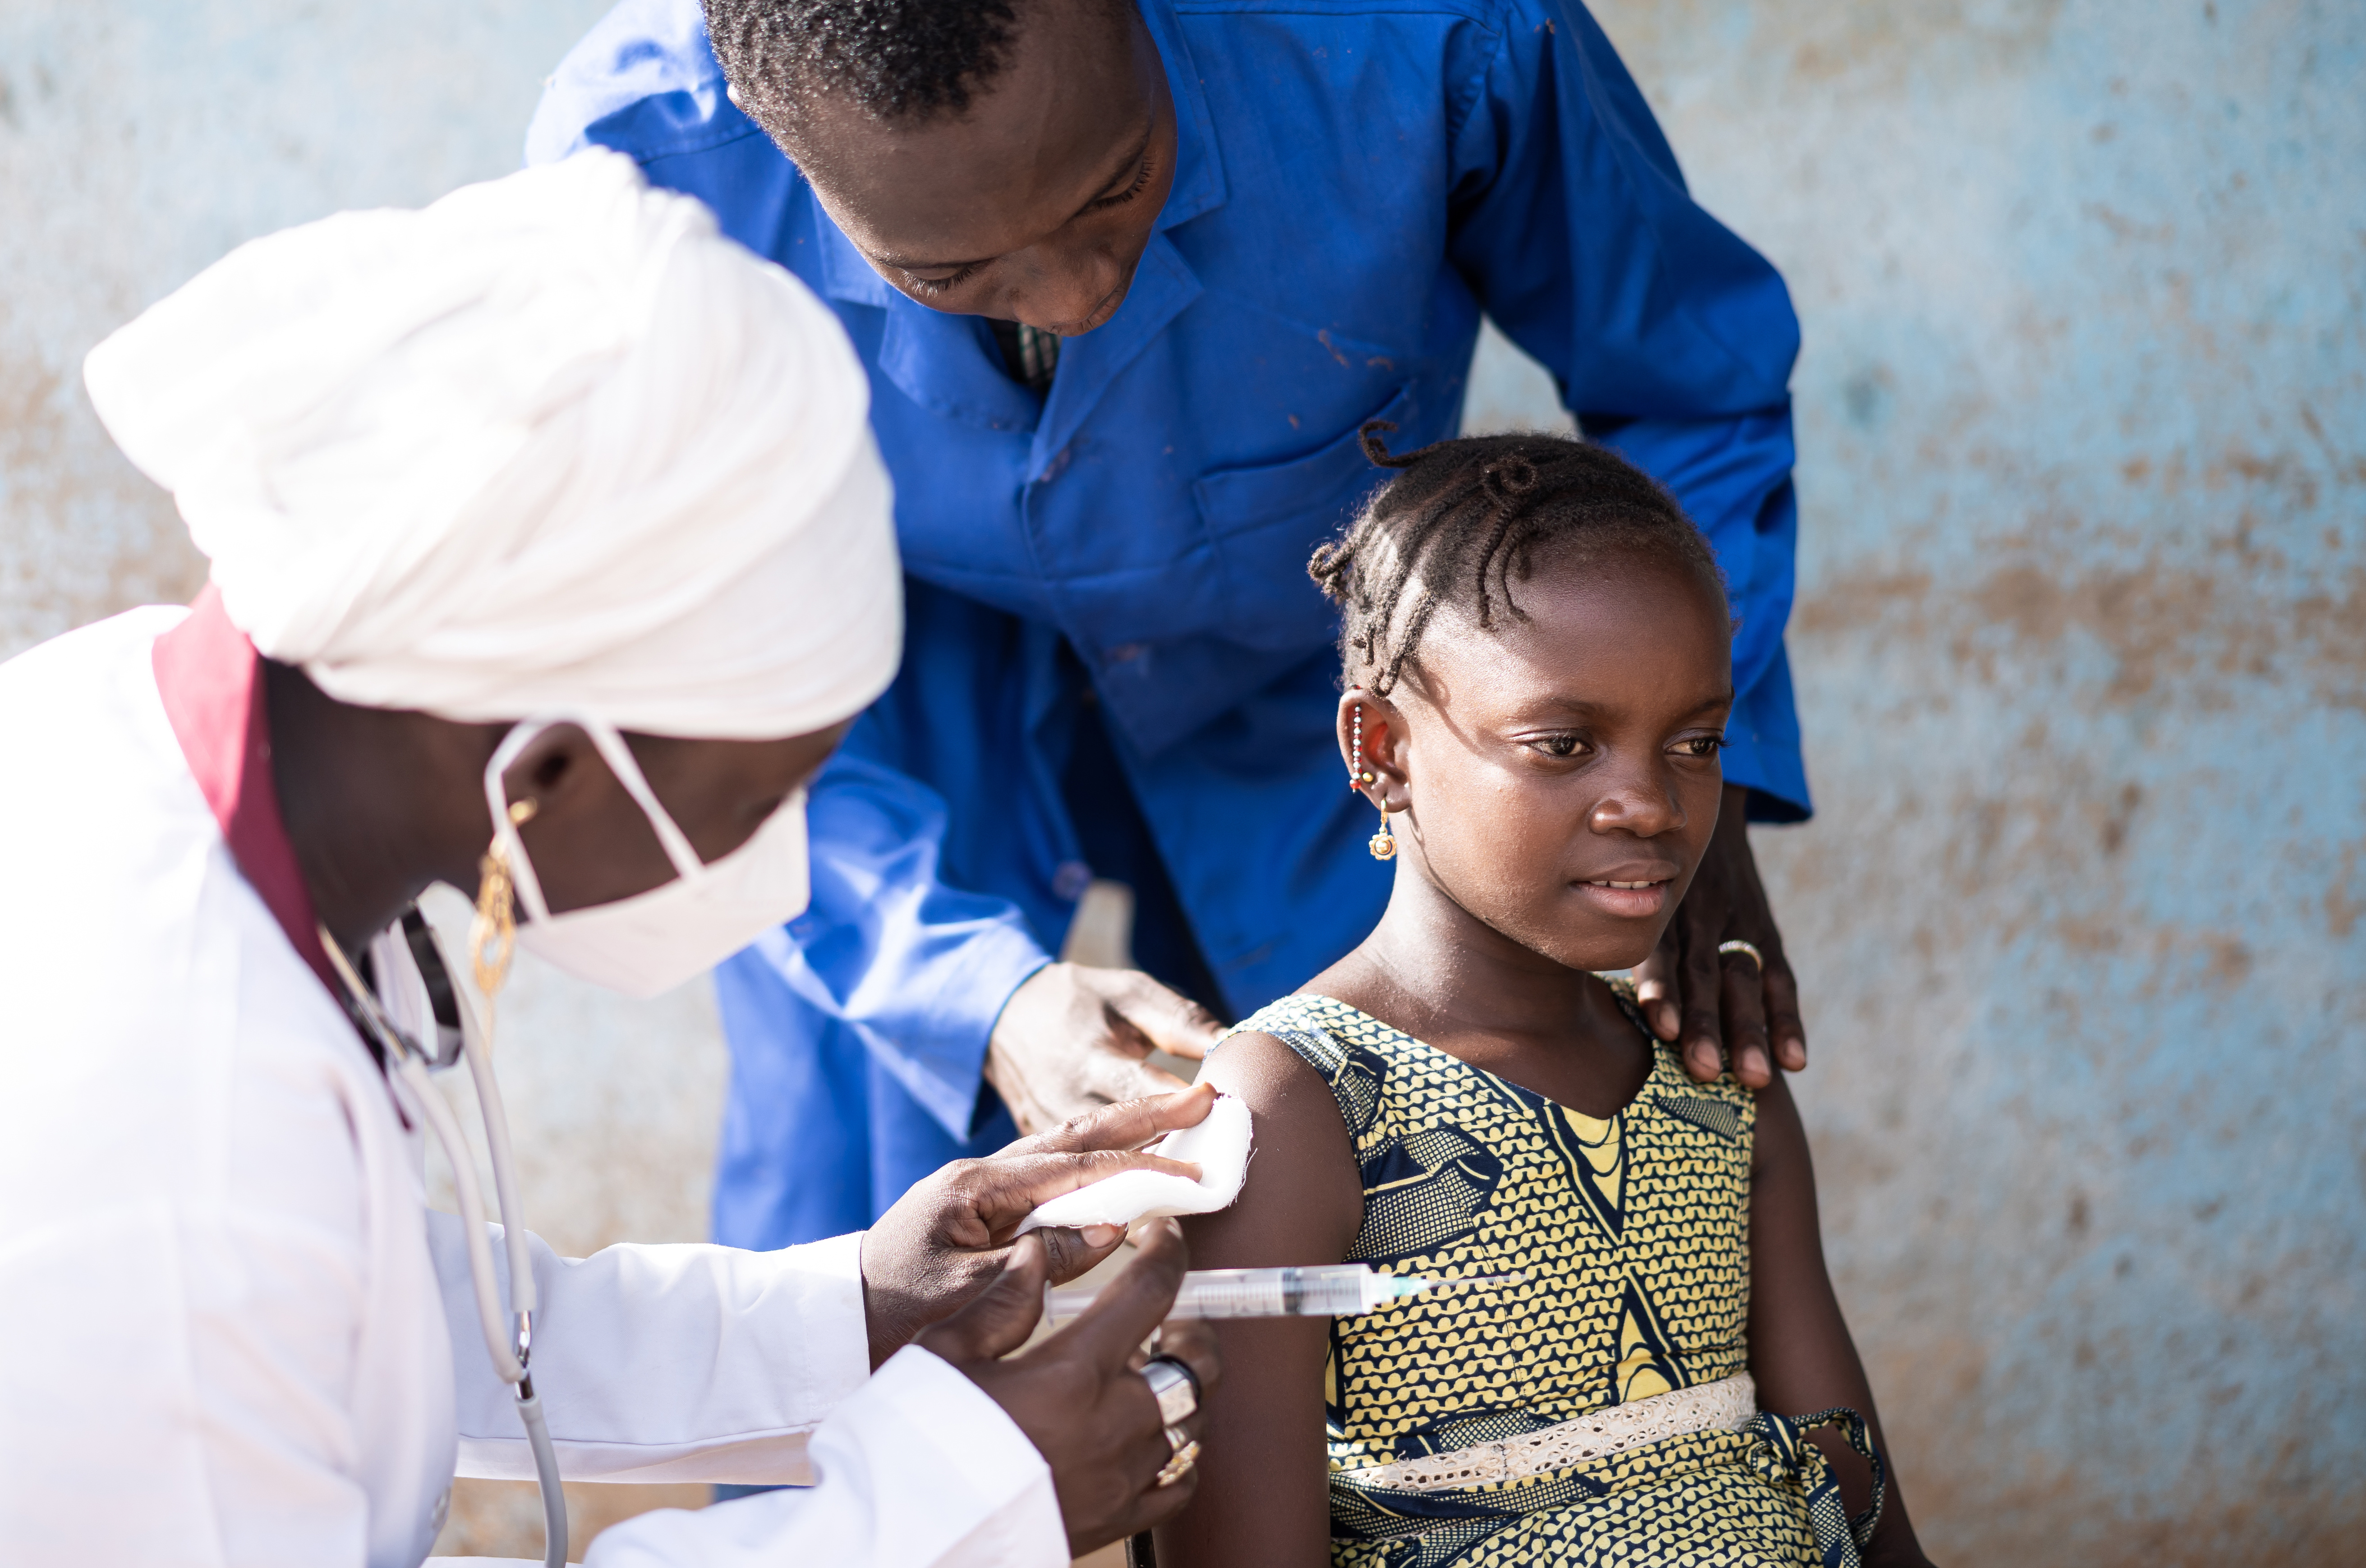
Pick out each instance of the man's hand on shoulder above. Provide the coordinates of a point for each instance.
(1074, 1038)
(1725, 1003)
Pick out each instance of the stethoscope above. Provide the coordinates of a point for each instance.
(459, 1034)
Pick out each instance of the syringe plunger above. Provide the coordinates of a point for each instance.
(1324, 1290)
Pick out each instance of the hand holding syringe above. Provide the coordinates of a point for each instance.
(1328, 1290)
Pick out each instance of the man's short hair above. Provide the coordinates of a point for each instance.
(895, 59)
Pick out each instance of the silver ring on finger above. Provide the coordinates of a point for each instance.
(1174, 1387)
(1176, 1469)
(1177, 1440)
(1748, 948)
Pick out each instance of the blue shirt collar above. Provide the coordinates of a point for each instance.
(1198, 167)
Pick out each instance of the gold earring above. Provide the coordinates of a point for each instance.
(1383, 843)
(492, 935)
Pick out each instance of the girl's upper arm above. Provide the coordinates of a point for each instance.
(1800, 1349)
(1800, 1352)
(1262, 1494)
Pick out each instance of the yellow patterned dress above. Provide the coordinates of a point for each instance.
(1634, 1235)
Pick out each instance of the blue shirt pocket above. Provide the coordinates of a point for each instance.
(1266, 522)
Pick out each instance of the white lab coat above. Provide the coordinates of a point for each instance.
(230, 1331)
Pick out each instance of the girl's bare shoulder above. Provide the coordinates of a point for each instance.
(1302, 1187)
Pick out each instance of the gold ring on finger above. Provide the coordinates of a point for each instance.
(1176, 1469)
(1738, 945)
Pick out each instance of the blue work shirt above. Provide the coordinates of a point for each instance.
(1355, 182)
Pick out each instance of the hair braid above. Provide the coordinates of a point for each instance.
(1464, 519)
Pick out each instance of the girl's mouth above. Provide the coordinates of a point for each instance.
(1626, 901)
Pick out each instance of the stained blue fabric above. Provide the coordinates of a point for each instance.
(1357, 180)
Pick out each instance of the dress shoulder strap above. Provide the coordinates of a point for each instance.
(1346, 1046)
(1622, 988)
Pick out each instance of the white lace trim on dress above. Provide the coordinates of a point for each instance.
(1725, 1405)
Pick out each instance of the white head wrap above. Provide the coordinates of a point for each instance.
(550, 443)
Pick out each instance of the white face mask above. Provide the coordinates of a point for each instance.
(676, 930)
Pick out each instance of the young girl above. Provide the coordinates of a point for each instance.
(1536, 648)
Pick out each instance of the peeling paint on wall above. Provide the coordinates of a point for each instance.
(140, 139)
(2081, 654)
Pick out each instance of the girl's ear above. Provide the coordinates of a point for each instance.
(1371, 742)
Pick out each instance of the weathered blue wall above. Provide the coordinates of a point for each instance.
(2082, 416)
(142, 138)
(2081, 651)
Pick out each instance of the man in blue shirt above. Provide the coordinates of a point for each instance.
(1128, 281)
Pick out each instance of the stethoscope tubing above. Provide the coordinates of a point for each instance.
(408, 1080)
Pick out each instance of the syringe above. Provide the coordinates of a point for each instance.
(1324, 1290)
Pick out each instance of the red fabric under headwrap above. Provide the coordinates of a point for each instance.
(212, 681)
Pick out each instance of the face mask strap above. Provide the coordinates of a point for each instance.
(663, 935)
(508, 847)
(622, 763)
(627, 769)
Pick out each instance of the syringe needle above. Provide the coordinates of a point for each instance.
(1473, 1282)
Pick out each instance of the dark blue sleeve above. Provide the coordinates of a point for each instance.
(1669, 337)
(918, 970)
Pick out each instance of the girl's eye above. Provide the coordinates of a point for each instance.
(1701, 745)
(1559, 745)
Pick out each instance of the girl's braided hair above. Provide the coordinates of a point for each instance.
(1466, 518)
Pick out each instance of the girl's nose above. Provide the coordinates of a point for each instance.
(1638, 808)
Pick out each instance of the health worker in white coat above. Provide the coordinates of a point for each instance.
(550, 556)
